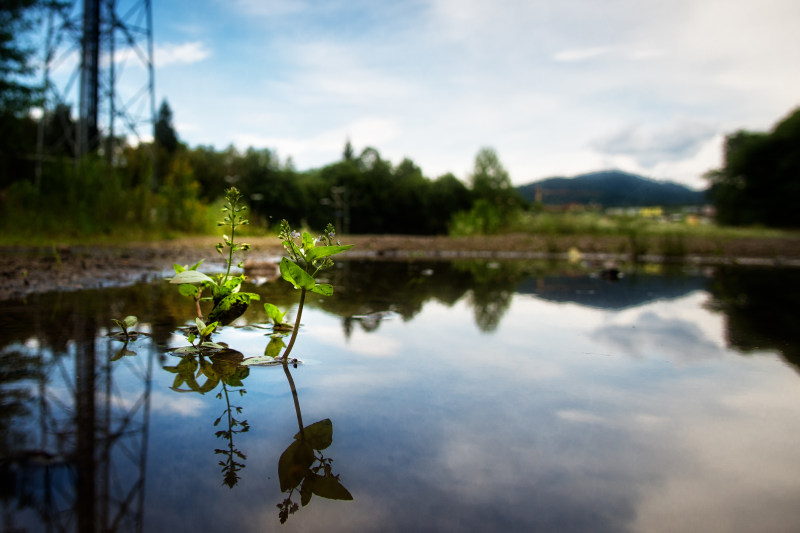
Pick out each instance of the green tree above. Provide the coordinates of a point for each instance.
(495, 201)
(17, 92)
(348, 154)
(447, 196)
(760, 180)
(17, 18)
(164, 130)
(489, 179)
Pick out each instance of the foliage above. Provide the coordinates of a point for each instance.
(17, 19)
(760, 180)
(229, 302)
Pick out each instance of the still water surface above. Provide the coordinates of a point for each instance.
(488, 397)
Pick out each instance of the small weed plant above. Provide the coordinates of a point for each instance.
(306, 258)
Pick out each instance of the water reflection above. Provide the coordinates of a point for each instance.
(75, 428)
(760, 306)
(302, 467)
(472, 358)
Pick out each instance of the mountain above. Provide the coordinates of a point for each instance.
(611, 188)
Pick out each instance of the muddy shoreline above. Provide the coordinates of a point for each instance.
(27, 270)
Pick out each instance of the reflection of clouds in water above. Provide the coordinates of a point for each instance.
(549, 477)
(727, 449)
(360, 342)
(652, 335)
(182, 404)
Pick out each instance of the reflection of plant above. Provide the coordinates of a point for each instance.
(299, 465)
(223, 367)
(230, 466)
(301, 469)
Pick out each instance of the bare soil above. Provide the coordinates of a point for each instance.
(25, 270)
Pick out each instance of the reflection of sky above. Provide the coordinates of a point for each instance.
(565, 418)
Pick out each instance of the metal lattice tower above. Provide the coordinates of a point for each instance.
(98, 63)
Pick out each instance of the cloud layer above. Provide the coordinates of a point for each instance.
(555, 88)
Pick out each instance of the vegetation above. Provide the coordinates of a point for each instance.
(760, 180)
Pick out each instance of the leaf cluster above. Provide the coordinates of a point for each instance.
(308, 257)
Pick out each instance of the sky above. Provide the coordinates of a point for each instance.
(555, 87)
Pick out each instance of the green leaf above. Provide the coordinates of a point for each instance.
(326, 251)
(209, 329)
(130, 321)
(308, 242)
(188, 290)
(209, 344)
(191, 276)
(261, 360)
(231, 307)
(178, 268)
(274, 313)
(324, 289)
(185, 350)
(200, 324)
(318, 435)
(296, 275)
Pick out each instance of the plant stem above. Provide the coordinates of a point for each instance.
(296, 325)
(230, 254)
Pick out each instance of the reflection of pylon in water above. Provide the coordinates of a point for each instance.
(87, 471)
(98, 61)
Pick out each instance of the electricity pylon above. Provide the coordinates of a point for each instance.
(98, 62)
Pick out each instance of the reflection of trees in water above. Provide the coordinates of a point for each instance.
(367, 288)
(761, 307)
(493, 287)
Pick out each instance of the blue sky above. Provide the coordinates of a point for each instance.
(555, 87)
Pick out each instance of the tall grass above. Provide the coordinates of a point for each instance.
(90, 201)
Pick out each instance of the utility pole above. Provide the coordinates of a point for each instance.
(98, 62)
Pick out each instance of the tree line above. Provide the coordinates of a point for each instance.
(170, 186)
(759, 182)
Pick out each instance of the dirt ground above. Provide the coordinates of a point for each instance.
(27, 270)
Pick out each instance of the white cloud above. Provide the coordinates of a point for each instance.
(183, 404)
(650, 144)
(325, 146)
(184, 53)
(581, 54)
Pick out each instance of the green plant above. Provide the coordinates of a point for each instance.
(229, 302)
(126, 335)
(277, 317)
(124, 324)
(307, 258)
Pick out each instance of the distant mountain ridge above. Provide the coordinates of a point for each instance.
(611, 188)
